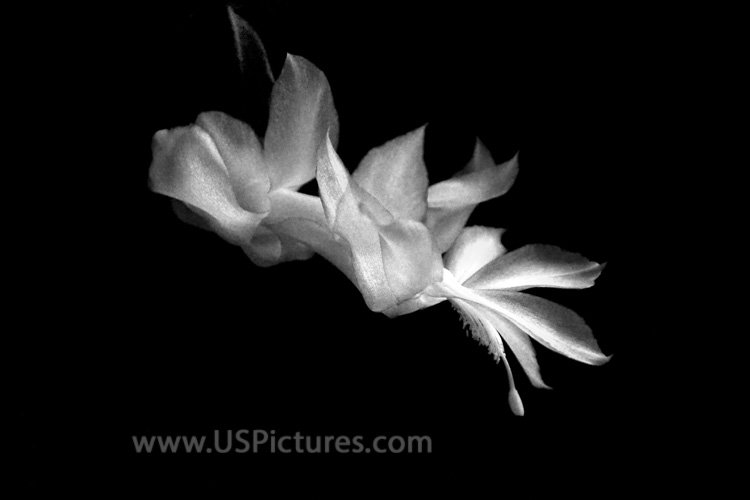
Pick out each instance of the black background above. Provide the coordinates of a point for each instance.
(174, 331)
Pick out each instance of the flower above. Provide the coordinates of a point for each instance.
(379, 213)
(483, 282)
(240, 188)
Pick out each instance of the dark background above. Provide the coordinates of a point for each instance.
(174, 331)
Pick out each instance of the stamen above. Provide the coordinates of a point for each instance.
(481, 330)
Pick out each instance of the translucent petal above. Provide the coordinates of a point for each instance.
(302, 112)
(243, 157)
(474, 248)
(536, 266)
(395, 175)
(256, 75)
(188, 167)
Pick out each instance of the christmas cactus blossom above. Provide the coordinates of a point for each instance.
(403, 243)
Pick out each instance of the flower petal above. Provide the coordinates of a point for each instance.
(243, 157)
(479, 184)
(302, 111)
(319, 238)
(536, 266)
(474, 248)
(550, 324)
(341, 204)
(451, 202)
(411, 260)
(300, 217)
(255, 71)
(187, 166)
(395, 175)
(264, 248)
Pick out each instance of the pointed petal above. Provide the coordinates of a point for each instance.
(451, 202)
(256, 76)
(475, 186)
(346, 220)
(249, 50)
(536, 266)
(474, 248)
(242, 155)
(187, 166)
(302, 112)
(550, 324)
(411, 259)
(516, 338)
(395, 175)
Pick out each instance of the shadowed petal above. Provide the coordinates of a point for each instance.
(395, 175)
(187, 166)
(302, 111)
(264, 249)
(474, 248)
(536, 266)
(242, 155)
(411, 259)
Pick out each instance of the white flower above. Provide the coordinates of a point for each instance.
(240, 188)
(484, 283)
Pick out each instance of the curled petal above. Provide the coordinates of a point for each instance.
(536, 266)
(474, 248)
(241, 152)
(302, 111)
(451, 202)
(187, 166)
(474, 186)
(348, 222)
(396, 176)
